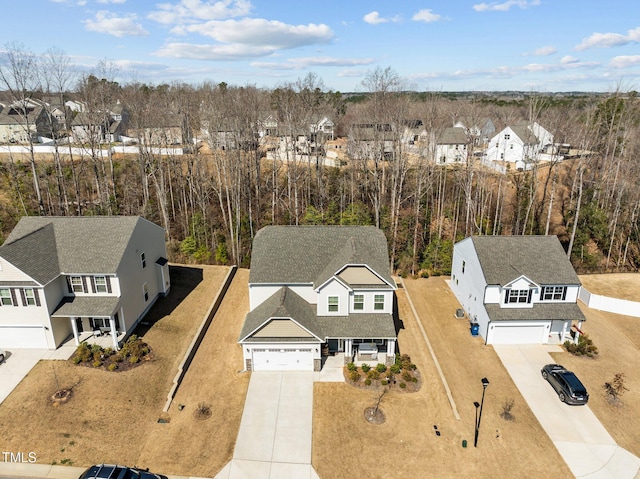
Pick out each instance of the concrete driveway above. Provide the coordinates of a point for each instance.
(20, 361)
(584, 444)
(274, 440)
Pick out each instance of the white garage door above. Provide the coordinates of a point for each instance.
(521, 334)
(23, 337)
(282, 360)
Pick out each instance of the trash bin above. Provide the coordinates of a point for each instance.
(475, 328)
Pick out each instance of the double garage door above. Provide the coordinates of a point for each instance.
(282, 359)
(519, 334)
(23, 337)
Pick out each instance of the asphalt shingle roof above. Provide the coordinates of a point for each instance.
(44, 247)
(539, 311)
(87, 306)
(312, 254)
(540, 258)
(453, 136)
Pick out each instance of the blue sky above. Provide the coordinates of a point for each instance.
(445, 45)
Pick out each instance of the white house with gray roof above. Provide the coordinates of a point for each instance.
(451, 147)
(63, 277)
(517, 289)
(315, 289)
(520, 145)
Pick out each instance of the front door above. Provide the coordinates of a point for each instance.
(336, 345)
(79, 325)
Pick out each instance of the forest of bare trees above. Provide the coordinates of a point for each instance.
(213, 199)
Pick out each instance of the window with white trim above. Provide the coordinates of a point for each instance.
(143, 260)
(358, 302)
(76, 284)
(378, 302)
(553, 293)
(518, 296)
(30, 297)
(101, 284)
(5, 297)
(333, 304)
(145, 291)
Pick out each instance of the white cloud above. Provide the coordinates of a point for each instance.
(106, 22)
(189, 11)
(505, 6)
(565, 60)
(374, 18)
(426, 15)
(213, 52)
(543, 51)
(624, 61)
(111, 1)
(606, 40)
(263, 33)
(305, 62)
(351, 73)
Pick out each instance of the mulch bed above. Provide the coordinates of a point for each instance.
(133, 353)
(394, 385)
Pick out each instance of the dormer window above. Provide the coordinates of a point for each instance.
(358, 302)
(517, 296)
(333, 304)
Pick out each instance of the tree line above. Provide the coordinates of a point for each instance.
(212, 200)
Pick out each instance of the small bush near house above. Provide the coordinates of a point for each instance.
(351, 366)
(365, 368)
(131, 354)
(381, 368)
(112, 367)
(373, 374)
(406, 376)
(367, 382)
(395, 368)
(384, 382)
(354, 376)
(403, 385)
(585, 347)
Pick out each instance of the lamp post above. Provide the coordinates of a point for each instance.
(485, 383)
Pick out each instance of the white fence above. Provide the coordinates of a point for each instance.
(611, 305)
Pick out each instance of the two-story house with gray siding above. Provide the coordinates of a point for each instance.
(315, 288)
(517, 289)
(63, 277)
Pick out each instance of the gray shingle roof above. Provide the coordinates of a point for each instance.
(43, 247)
(453, 136)
(312, 254)
(540, 258)
(539, 311)
(286, 304)
(87, 306)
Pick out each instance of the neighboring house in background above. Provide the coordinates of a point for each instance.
(479, 129)
(521, 144)
(97, 127)
(78, 276)
(451, 147)
(322, 130)
(517, 289)
(14, 118)
(315, 288)
(368, 141)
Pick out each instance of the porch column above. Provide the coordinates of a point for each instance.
(114, 333)
(563, 333)
(74, 327)
(391, 348)
(348, 349)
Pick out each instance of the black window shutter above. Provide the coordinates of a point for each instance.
(564, 293)
(108, 281)
(69, 284)
(14, 300)
(117, 321)
(24, 298)
(506, 295)
(529, 296)
(91, 323)
(541, 293)
(36, 294)
(92, 281)
(85, 287)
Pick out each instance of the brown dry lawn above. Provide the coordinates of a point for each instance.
(618, 340)
(616, 285)
(112, 417)
(346, 445)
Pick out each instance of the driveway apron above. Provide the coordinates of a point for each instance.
(274, 440)
(582, 441)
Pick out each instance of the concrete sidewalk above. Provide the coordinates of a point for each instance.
(274, 440)
(26, 470)
(582, 441)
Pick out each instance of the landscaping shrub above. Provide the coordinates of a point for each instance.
(134, 359)
(395, 368)
(97, 364)
(365, 368)
(585, 346)
(77, 360)
(354, 376)
(384, 382)
(381, 368)
(351, 366)
(367, 382)
(112, 367)
(373, 374)
(403, 385)
(406, 375)
(615, 389)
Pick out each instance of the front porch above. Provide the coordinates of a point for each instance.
(361, 351)
(103, 340)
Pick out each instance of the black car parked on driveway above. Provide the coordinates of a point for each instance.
(112, 471)
(569, 388)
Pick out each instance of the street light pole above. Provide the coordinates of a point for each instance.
(485, 383)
